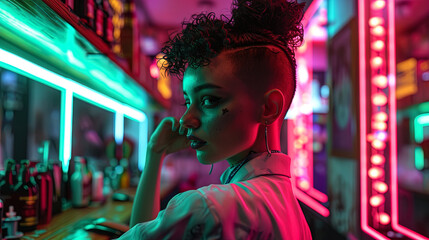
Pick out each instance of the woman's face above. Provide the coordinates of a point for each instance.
(221, 118)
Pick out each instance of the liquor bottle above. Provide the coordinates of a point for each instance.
(6, 185)
(27, 198)
(78, 182)
(55, 169)
(44, 181)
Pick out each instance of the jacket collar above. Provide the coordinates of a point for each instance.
(261, 164)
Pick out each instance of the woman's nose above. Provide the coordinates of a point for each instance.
(189, 120)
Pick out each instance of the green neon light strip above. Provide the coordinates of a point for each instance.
(419, 160)
(70, 88)
(66, 128)
(119, 128)
(420, 122)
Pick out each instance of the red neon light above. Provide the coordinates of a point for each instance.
(315, 205)
(394, 148)
(318, 195)
(363, 116)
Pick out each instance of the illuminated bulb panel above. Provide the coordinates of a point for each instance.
(377, 107)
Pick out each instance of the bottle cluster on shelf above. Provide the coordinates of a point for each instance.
(32, 192)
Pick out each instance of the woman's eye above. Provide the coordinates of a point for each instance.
(209, 101)
(186, 104)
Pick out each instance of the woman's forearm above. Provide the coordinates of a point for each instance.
(146, 202)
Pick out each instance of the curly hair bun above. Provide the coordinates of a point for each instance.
(280, 19)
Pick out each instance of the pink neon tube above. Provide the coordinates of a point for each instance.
(362, 107)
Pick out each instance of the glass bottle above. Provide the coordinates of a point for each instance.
(7, 183)
(27, 199)
(44, 181)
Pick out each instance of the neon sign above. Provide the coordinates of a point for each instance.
(378, 137)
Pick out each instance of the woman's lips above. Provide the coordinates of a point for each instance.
(196, 142)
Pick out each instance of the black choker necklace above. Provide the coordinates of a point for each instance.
(245, 160)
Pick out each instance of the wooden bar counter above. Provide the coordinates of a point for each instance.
(69, 224)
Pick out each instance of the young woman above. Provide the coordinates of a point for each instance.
(238, 82)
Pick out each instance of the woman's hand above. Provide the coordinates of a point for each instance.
(168, 137)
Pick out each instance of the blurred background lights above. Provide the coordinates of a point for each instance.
(384, 218)
(380, 116)
(380, 186)
(375, 172)
(378, 31)
(376, 21)
(379, 99)
(376, 62)
(381, 135)
(377, 45)
(154, 70)
(379, 126)
(378, 144)
(376, 200)
(380, 81)
(378, 4)
(377, 159)
(304, 184)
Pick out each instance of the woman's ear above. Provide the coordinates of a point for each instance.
(273, 105)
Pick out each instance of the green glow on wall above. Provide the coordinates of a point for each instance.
(420, 122)
(70, 89)
(32, 30)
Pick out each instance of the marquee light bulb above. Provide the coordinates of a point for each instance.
(378, 144)
(379, 99)
(380, 116)
(376, 21)
(381, 126)
(304, 184)
(380, 81)
(380, 186)
(376, 200)
(378, 4)
(376, 62)
(384, 218)
(377, 45)
(377, 159)
(375, 172)
(378, 31)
